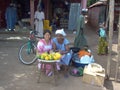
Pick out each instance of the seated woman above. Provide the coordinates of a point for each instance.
(45, 45)
(61, 44)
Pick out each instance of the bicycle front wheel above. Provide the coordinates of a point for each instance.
(27, 55)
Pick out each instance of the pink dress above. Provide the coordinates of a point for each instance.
(42, 46)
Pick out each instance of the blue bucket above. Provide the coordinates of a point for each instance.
(77, 64)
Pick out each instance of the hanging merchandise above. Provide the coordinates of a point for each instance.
(73, 15)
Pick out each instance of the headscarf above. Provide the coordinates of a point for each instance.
(60, 31)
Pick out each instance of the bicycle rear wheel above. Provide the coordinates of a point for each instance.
(27, 55)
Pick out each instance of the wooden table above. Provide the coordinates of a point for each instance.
(53, 68)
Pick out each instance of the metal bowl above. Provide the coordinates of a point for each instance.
(75, 49)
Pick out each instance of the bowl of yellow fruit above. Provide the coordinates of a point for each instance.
(49, 57)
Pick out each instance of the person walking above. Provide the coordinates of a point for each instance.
(11, 17)
(80, 40)
(39, 17)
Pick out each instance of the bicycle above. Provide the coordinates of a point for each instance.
(27, 52)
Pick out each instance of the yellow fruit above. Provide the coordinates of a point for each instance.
(54, 57)
(42, 57)
(44, 54)
(46, 58)
(50, 57)
(58, 55)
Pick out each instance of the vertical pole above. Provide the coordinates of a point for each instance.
(111, 20)
(84, 4)
(47, 6)
(118, 49)
(32, 14)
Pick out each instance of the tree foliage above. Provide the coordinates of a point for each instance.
(90, 2)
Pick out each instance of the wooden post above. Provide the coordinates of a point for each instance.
(32, 14)
(84, 4)
(47, 9)
(111, 20)
(118, 49)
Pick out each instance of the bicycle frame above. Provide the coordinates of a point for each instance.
(27, 52)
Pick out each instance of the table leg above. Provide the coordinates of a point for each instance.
(39, 76)
(40, 72)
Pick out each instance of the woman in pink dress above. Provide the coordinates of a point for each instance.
(45, 45)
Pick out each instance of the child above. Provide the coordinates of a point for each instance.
(103, 45)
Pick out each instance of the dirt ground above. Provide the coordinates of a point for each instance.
(16, 76)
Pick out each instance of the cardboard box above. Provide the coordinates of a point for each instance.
(94, 78)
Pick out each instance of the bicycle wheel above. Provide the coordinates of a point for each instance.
(26, 54)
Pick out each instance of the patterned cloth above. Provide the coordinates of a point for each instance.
(42, 46)
(102, 46)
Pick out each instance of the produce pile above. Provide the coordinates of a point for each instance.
(49, 56)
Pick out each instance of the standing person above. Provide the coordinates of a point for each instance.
(11, 17)
(80, 40)
(39, 17)
(102, 45)
(61, 44)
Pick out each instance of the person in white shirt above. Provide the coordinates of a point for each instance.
(39, 17)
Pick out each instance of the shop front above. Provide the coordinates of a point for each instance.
(57, 11)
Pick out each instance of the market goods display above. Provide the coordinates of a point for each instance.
(49, 56)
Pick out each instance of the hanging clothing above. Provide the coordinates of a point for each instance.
(73, 15)
(102, 46)
(39, 17)
(11, 17)
(80, 40)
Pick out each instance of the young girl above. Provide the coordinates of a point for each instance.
(45, 45)
(103, 45)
